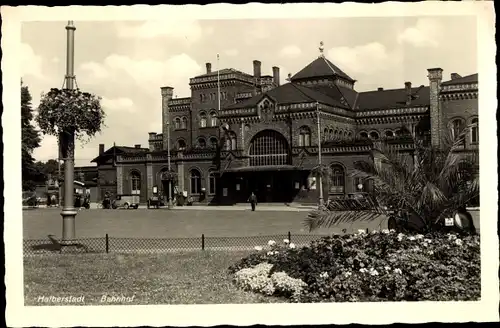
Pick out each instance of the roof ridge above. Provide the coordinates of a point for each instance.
(338, 88)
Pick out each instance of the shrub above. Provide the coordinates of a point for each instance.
(380, 266)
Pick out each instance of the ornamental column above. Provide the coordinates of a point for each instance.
(67, 138)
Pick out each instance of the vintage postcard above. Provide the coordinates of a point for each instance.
(222, 164)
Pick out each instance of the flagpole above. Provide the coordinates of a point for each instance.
(218, 85)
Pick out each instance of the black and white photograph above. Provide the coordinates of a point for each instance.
(266, 160)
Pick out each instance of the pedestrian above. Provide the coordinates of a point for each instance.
(253, 201)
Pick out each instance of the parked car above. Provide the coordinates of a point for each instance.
(126, 201)
(30, 199)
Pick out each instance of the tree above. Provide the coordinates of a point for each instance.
(30, 140)
(428, 186)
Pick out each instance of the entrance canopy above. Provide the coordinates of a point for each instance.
(264, 168)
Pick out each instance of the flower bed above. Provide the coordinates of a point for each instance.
(379, 266)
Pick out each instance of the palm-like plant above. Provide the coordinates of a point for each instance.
(428, 184)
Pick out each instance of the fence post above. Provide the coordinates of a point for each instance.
(289, 236)
(107, 243)
(202, 241)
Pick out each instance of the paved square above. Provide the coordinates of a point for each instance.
(163, 223)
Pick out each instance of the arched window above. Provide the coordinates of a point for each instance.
(389, 134)
(474, 131)
(184, 123)
(335, 135)
(374, 135)
(177, 123)
(230, 140)
(349, 135)
(213, 119)
(213, 142)
(269, 147)
(457, 127)
(304, 136)
(203, 120)
(195, 178)
(330, 134)
(201, 142)
(337, 181)
(325, 134)
(211, 182)
(363, 135)
(345, 135)
(181, 144)
(135, 183)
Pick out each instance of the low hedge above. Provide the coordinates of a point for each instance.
(379, 266)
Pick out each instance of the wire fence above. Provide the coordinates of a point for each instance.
(107, 244)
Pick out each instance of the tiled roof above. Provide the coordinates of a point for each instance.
(119, 150)
(320, 67)
(473, 78)
(290, 93)
(385, 99)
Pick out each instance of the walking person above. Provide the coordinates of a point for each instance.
(253, 201)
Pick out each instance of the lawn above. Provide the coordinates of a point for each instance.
(177, 278)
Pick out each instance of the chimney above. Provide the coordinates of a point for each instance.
(435, 76)
(101, 149)
(137, 146)
(276, 75)
(256, 68)
(455, 76)
(408, 92)
(380, 89)
(166, 95)
(209, 68)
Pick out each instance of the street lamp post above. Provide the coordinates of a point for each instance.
(320, 178)
(167, 93)
(68, 212)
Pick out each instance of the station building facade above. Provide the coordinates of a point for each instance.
(265, 138)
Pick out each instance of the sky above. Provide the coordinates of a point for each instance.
(127, 62)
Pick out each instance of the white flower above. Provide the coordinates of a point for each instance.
(398, 271)
(361, 231)
(385, 231)
(348, 274)
(425, 244)
(271, 243)
(324, 275)
(286, 241)
(362, 270)
(258, 248)
(428, 241)
(374, 232)
(270, 253)
(387, 268)
(459, 242)
(431, 252)
(419, 236)
(451, 237)
(392, 231)
(411, 238)
(292, 245)
(374, 272)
